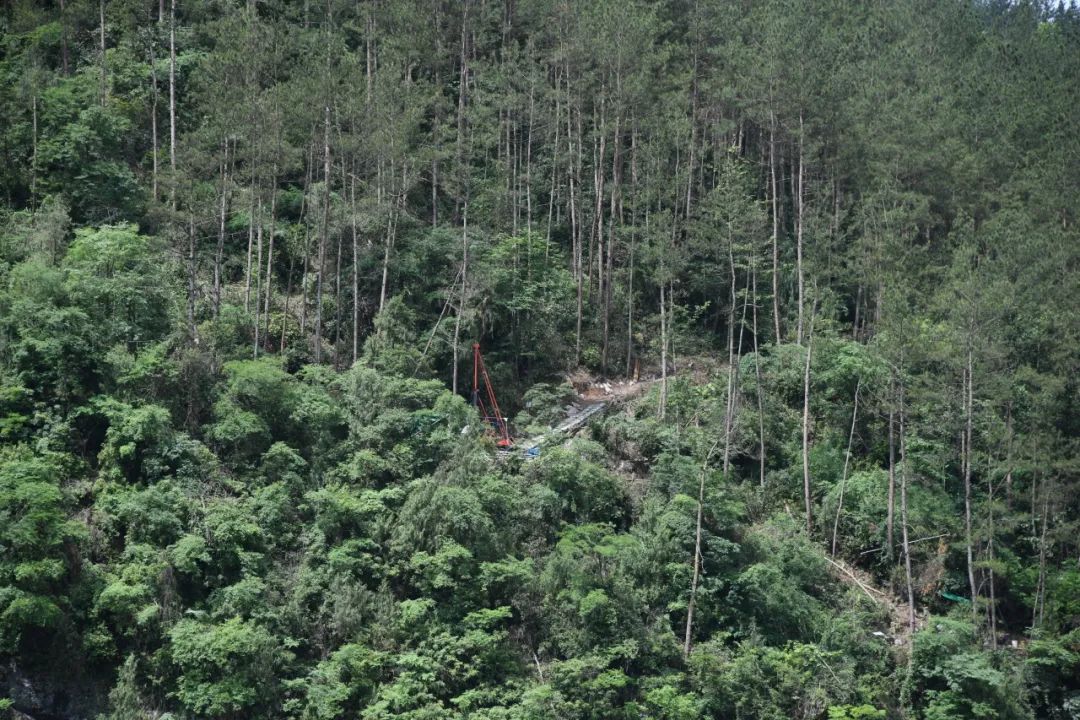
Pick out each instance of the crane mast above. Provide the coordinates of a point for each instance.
(483, 398)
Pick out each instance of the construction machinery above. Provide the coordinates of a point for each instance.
(578, 415)
(483, 398)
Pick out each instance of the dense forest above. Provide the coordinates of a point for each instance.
(821, 259)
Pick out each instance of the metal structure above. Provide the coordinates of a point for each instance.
(486, 404)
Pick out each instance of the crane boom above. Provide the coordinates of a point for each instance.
(483, 398)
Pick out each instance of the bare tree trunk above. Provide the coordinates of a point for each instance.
(34, 151)
(661, 408)
(193, 330)
(729, 400)
(172, 104)
(608, 259)
(253, 221)
(596, 223)
(104, 91)
(757, 372)
(554, 167)
(387, 246)
(304, 285)
(806, 431)
(799, 235)
(153, 125)
(697, 555)
(990, 556)
(967, 481)
(630, 277)
(1040, 590)
(904, 512)
(847, 461)
(270, 255)
(463, 75)
(258, 282)
(1008, 456)
(337, 301)
(309, 174)
(890, 509)
(630, 310)
(355, 274)
(775, 228)
(220, 251)
(671, 324)
(574, 174)
(528, 168)
(369, 66)
(323, 238)
(464, 280)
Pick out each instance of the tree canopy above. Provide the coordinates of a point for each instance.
(820, 261)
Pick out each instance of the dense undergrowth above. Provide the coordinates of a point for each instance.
(245, 248)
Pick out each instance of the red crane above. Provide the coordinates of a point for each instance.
(486, 404)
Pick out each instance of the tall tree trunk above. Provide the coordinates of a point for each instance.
(172, 104)
(890, 513)
(630, 274)
(967, 482)
(729, 409)
(990, 557)
(387, 247)
(775, 228)
(806, 431)
(369, 54)
(253, 222)
(528, 167)
(463, 76)
(799, 234)
(1009, 437)
(690, 605)
(337, 301)
(306, 261)
(323, 238)
(220, 250)
(1040, 590)
(153, 126)
(464, 280)
(33, 151)
(554, 166)
(575, 215)
(104, 90)
(305, 258)
(630, 309)
(193, 329)
(270, 255)
(847, 461)
(904, 512)
(757, 373)
(258, 282)
(661, 407)
(609, 260)
(355, 274)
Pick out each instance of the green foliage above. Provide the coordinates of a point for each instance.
(952, 679)
(35, 533)
(246, 248)
(227, 668)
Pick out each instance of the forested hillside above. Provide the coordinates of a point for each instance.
(830, 250)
